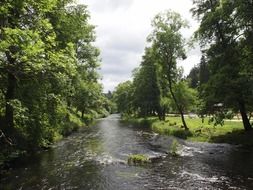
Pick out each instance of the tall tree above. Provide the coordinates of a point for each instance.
(168, 43)
(194, 77)
(146, 87)
(224, 31)
(203, 71)
(27, 42)
(47, 65)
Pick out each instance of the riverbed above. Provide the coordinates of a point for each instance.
(96, 158)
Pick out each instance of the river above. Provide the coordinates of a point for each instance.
(96, 158)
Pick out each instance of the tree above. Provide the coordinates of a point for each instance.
(123, 97)
(168, 45)
(27, 50)
(194, 77)
(186, 96)
(48, 66)
(203, 71)
(224, 32)
(146, 88)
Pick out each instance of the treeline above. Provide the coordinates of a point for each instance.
(48, 72)
(158, 86)
(220, 86)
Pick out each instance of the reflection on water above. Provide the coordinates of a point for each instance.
(95, 158)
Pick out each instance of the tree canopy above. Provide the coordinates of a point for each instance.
(48, 71)
(158, 86)
(225, 31)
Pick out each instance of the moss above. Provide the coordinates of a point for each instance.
(138, 159)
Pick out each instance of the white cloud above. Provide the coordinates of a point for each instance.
(122, 29)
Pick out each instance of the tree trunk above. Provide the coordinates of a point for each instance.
(9, 118)
(82, 114)
(9, 96)
(163, 113)
(183, 120)
(159, 112)
(173, 95)
(245, 119)
(178, 106)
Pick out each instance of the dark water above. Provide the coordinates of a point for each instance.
(95, 158)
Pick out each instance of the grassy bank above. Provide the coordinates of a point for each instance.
(231, 132)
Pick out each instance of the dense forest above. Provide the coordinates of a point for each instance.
(220, 86)
(48, 73)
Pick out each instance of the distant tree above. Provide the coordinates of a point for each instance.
(109, 94)
(203, 71)
(123, 97)
(146, 88)
(194, 77)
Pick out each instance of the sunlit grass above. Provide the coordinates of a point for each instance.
(231, 132)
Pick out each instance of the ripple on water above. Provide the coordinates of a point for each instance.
(189, 151)
(96, 159)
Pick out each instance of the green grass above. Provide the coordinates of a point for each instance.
(145, 122)
(231, 132)
(174, 147)
(138, 159)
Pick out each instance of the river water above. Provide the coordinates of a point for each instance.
(96, 158)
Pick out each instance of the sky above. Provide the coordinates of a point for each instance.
(122, 27)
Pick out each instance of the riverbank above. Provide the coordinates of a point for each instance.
(73, 123)
(232, 132)
(97, 156)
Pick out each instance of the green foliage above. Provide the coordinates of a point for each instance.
(157, 86)
(146, 95)
(48, 67)
(169, 46)
(224, 34)
(143, 122)
(123, 97)
(174, 147)
(186, 96)
(138, 159)
(193, 77)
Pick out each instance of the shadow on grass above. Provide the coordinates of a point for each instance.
(236, 137)
(167, 129)
(183, 134)
(140, 122)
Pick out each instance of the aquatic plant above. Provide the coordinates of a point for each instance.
(174, 148)
(138, 159)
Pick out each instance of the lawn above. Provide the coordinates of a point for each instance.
(231, 132)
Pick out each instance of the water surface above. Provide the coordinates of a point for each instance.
(96, 158)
